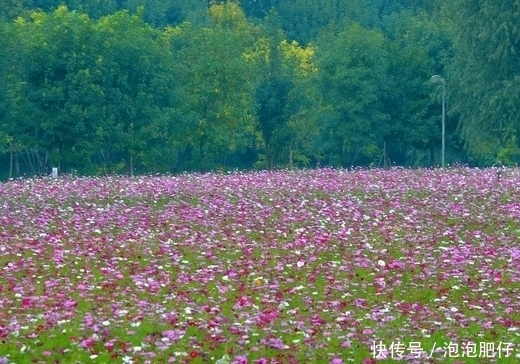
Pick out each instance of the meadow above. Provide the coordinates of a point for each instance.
(310, 266)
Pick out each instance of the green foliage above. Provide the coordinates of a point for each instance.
(509, 154)
(12, 8)
(303, 20)
(216, 86)
(417, 46)
(484, 72)
(159, 86)
(352, 83)
(160, 13)
(90, 87)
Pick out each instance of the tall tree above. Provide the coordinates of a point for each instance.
(90, 88)
(418, 45)
(483, 77)
(282, 96)
(162, 13)
(352, 84)
(272, 95)
(54, 48)
(217, 86)
(10, 84)
(134, 70)
(303, 20)
(11, 9)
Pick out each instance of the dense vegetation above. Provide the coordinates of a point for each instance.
(311, 266)
(157, 86)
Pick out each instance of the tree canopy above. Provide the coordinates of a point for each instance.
(125, 86)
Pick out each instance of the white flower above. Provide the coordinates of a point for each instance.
(381, 263)
(224, 360)
(300, 264)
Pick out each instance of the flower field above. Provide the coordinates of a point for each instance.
(313, 266)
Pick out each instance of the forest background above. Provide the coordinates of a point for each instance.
(98, 87)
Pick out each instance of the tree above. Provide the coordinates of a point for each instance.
(10, 9)
(134, 69)
(161, 13)
(284, 73)
(418, 46)
(216, 86)
(303, 20)
(90, 88)
(93, 8)
(257, 8)
(272, 95)
(352, 84)
(53, 48)
(483, 76)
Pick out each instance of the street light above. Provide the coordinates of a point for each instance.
(442, 80)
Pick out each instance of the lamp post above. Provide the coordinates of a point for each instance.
(442, 80)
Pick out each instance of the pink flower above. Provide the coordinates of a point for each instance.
(68, 304)
(336, 361)
(360, 302)
(368, 332)
(487, 325)
(26, 302)
(346, 344)
(239, 359)
(515, 254)
(173, 335)
(88, 320)
(276, 343)
(89, 342)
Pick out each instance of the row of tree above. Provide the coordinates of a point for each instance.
(186, 86)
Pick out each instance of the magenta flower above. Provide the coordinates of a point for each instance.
(89, 342)
(368, 332)
(173, 335)
(26, 302)
(284, 253)
(346, 344)
(239, 359)
(276, 343)
(68, 304)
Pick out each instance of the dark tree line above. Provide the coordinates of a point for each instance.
(159, 86)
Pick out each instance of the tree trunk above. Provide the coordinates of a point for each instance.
(17, 165)
(131, 165)
(386, 160)
(268, 163)
(11, 163)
